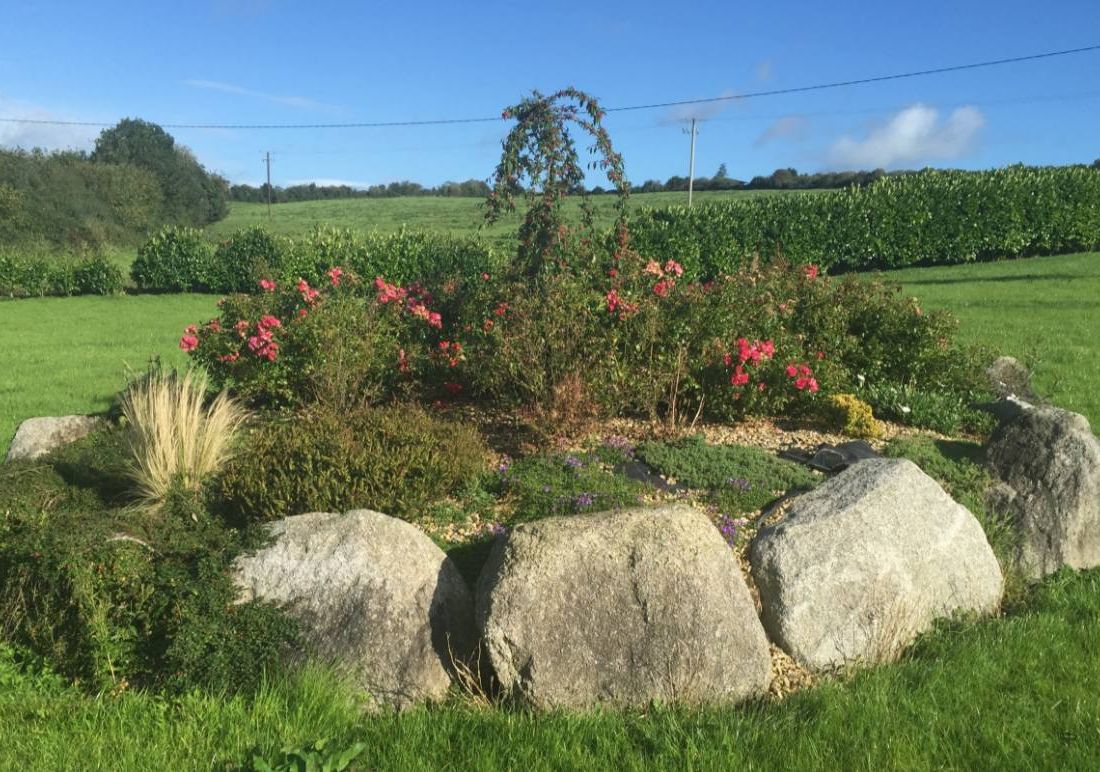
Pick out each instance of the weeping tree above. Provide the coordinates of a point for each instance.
(541, 165)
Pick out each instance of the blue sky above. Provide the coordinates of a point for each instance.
(267, 61)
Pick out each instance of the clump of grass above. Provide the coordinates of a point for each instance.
(174, 438)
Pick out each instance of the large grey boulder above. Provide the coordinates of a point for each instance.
(1048, 463)
(373, 595)
(867, 560)
(36, 437)
(620, 608)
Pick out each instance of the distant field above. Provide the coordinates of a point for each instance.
(451, 215)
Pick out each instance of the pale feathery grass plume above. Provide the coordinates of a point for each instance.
(174, 439)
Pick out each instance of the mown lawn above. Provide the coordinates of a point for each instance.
(71, 355)
(1043, 310)
(1015, 693)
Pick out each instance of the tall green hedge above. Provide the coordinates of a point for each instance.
(179, 259)
(930, 218)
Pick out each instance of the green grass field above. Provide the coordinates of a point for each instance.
(1017, 693)
(71, 355)
(460, 216)
(1043, 310)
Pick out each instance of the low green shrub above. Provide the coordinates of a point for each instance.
(252, 254)
(294, 345)
(111, 597)
(59, 275)
(393, 459)
(852, 416)
(564, 484)
(744, 479)
(178, 259)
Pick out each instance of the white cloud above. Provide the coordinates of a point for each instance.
(914, 135)
(44, 135)
(298, 102)
(791, 127)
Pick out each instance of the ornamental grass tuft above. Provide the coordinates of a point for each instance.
(174, 437)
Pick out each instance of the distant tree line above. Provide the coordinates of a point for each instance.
(313, 192)
(135, 181)
(780, 179)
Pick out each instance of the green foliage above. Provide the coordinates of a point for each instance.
(401, 257)
(112, 597)
(67, 202)
(28, 276)
(289, 347)
(540, 162)
(178, 259)
(317, 756)
(929, 218)
(394, 459)
(191, 195)
(564, 484)
(745, 479)
(253, 254)
(852, 416)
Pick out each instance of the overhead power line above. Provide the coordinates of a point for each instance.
(651, 106)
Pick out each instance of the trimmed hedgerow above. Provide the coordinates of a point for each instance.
(930, 218)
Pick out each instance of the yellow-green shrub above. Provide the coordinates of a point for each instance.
(852, 416)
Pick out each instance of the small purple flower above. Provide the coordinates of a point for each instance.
(621, 444)
(730, 526)
(573, 462)
(504, 465)
(584, 500)
(495, 529)
(740, 483)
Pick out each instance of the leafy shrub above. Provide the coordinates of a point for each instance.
(564, 484)
(852, 416)
(174, 438)
(929, 218)
(947, 411)
(749, 477)
(110, 599)
(38, 276)
(391, 459)
(296, 344)
(178, 259)
(252, 254)
(98, 276)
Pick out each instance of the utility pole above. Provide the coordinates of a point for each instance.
(691, 167)
(267, 158)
